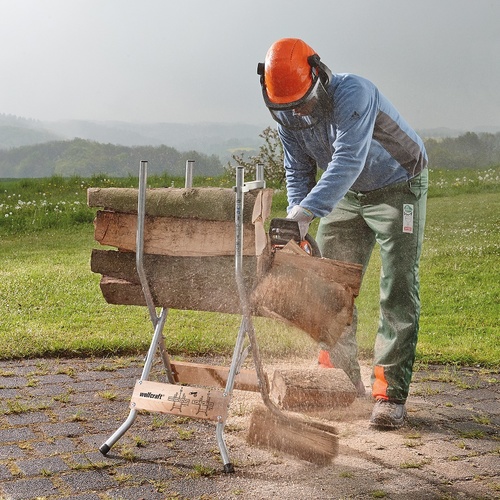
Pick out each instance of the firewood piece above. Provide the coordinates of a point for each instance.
(187, 283)
(304, 292)
(344, 273)
(171, 236)
(291, 434)
(317, 389)
(197, 203)
(213, 376)
(117, 291)
(292, 247)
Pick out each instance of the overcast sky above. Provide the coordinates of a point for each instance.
(191, 61)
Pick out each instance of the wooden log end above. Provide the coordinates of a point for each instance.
(210, 203)
(295, 294)
(303, 439)
(312, 390)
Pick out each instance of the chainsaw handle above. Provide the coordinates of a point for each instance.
(283, 229)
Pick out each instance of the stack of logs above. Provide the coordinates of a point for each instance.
(189, 245)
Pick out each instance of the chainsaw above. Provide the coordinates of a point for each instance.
(282, 230)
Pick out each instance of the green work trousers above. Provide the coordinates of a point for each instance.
(393, 217)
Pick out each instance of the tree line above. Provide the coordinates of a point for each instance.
(470, 150)
(86, 158)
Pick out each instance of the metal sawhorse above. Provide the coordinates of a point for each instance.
(195, 402)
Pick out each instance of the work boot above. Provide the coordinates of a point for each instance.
(388, 414)
(324, 361)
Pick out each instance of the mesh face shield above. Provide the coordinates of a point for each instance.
(305, 112)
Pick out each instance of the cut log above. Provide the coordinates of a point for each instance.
(305, 292)
(213, 376)
(344, 273)
(290, 291)
(310, 440)
(197, 203)
(117, 291)
(172, 236)
(182, 225)
(187, 283)
(312, 390)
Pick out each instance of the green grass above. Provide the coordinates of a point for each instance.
(33, 205)
(51, 305)
(460, 287)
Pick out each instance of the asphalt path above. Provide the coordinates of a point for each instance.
(56, 413)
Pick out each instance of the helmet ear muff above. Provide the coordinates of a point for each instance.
(260, 72)
(320, 69)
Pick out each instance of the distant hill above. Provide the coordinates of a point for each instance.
(209, 138)
(86, 158)
(439, 133)
(15, 132)
(14, 137)
(442, 132)
(221, 139)
(32, 148)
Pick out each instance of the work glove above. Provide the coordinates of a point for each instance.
(303, 216)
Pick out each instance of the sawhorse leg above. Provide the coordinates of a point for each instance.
(239, 355)
(155, 342)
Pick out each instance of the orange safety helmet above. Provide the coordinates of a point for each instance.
(287, 70)
(294, 81)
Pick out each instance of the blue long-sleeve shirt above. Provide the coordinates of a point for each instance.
(364, 144)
